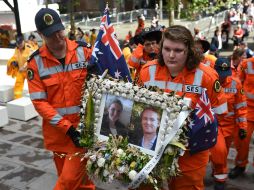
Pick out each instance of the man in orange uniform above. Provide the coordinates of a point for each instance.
(141, 24)
(178, 69)
(235, 120)
(16, 65)
(247, 77)
(146, 50)
(203, 46)
(56, 73)
(236, 59)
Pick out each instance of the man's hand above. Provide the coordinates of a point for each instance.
(74, 135)
(242, 133)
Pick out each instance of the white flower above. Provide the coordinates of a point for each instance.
(93, 158)
(177, 108)
(119, 152)
(110, 178)
(169, 150)
(184, 108)
(89, 163)
(121, 169)
(105, 173)
(172, 116)
(101, 162)
(128, 85)
(132, 174)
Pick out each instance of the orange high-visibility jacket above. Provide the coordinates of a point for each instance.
(56, 92)
(237, 105)
(247, 77)
(138, 58)
(209, 60)
(153, 74)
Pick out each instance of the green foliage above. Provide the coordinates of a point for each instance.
(88, 140)
(197, 7)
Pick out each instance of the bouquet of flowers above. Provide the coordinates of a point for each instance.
(117, 160)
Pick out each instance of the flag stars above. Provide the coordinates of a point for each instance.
(117, 74)
(191, 124)
(208, 131)
(96, 49)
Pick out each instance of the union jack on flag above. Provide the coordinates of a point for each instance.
(204, 126)
(107, 53)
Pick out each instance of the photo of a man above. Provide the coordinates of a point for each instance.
(150, 122)
(145, 123)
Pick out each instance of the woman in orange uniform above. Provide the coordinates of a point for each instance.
(178, 69)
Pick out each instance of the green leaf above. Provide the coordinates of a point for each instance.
(87, 139)
(178, 144)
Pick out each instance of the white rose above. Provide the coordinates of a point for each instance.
(169, 150)
(119, 152)
(101, 162)
(121, 169)
(93, 158)
(110, 178)
(132, 174)
(172, 116)
(105, 173)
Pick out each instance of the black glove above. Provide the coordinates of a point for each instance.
(74, 135)
(242, 133)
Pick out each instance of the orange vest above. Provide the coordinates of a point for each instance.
(247, 77)
(237, 105)
(190, 83)
(209, 60)
(56, 93)
(138, 59)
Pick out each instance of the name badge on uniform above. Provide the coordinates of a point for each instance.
(193, 89)
(79, 65)
(230, 90)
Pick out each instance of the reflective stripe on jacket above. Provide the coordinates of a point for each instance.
(237, 105)
(188, 83)
(247, 77)
(55, 91)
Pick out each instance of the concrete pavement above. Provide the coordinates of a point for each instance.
(24, 163)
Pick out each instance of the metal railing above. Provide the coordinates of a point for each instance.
(84, 18)
(93, 19)
(208, 23)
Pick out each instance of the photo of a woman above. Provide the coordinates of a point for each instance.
(110, 122)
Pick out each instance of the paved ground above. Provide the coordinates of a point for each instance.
(25, 165)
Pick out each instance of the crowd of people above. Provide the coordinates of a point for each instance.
(169, 58)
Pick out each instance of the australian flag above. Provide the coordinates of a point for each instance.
(107, 53)
(204, 126)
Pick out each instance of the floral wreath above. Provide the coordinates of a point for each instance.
(115, 162)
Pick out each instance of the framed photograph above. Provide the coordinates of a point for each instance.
(146, 121)
(142, 115)
(116, 116)
(127, 129)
